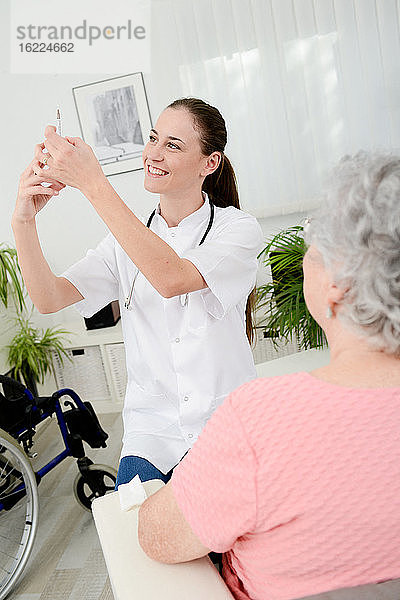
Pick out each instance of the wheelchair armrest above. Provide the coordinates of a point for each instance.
(46, 403)
(13, 384)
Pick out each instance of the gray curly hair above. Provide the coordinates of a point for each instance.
(357, 231)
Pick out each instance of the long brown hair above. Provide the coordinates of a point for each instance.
(221, 186)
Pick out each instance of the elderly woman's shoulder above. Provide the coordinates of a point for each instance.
(271, 389)
(264, 404)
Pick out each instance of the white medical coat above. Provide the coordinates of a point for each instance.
(182, 361)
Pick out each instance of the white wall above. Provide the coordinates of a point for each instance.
(68, 226)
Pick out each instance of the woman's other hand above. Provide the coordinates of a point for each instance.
(70, 160)
(32, 196)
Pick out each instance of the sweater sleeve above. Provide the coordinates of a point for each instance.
(214, 485)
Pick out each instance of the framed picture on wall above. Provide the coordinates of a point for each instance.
(115, 120)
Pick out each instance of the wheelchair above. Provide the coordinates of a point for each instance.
(20, 414)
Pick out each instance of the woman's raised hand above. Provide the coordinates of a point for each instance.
(69, 160)
(32, 196)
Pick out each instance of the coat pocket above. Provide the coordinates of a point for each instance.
(146, 412)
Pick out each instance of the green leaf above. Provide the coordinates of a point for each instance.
(282, 300)
(31, 349)
(11, 278)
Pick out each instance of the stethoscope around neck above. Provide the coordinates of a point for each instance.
(183, 297)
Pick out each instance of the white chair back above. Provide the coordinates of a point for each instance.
(134, 575)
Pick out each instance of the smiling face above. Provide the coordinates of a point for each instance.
(173, 162)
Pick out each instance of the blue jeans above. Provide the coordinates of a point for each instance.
(130, 466)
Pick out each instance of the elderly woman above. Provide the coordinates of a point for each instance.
(296, 479)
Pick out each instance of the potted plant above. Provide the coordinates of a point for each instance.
(30, 352)
(282, 300)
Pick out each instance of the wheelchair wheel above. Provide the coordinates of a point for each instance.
(19, 511)
(5, 476)
(103, 480)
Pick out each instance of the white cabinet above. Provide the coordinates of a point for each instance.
(266, 349)
(117, 364)
(96, 369)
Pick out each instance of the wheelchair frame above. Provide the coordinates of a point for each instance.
(18, 480)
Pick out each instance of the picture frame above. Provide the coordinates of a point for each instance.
(114, 118)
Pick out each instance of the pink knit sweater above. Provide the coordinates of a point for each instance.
(298, 482)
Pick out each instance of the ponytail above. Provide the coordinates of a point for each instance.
(220, 186)
(250, 310)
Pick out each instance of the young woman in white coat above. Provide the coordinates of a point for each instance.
(182, 275)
